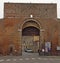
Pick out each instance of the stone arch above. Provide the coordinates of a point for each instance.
(38, 25)
(33, 25)
(33, 20)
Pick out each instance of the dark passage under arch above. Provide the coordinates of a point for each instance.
(30, 31)
(30, 38)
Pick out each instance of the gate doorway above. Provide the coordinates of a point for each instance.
(30, 37)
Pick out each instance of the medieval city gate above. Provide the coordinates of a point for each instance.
(40, 20)
(32, 36)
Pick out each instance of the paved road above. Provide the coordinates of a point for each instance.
(29, 58)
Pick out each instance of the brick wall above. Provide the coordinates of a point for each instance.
(17, 14)
(25, 10)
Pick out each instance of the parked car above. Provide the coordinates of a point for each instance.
(29, 50)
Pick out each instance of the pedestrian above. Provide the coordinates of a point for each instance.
(43, 51)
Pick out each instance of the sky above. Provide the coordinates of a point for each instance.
(29, 1)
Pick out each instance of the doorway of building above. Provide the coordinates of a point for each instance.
(30, 39)
(11, 49)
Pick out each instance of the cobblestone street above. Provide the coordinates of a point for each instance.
(29, 58)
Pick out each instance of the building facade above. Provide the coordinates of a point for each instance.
(29, 26)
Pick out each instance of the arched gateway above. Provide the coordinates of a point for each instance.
(32, 38)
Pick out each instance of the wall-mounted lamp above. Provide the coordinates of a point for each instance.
(31, 16)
